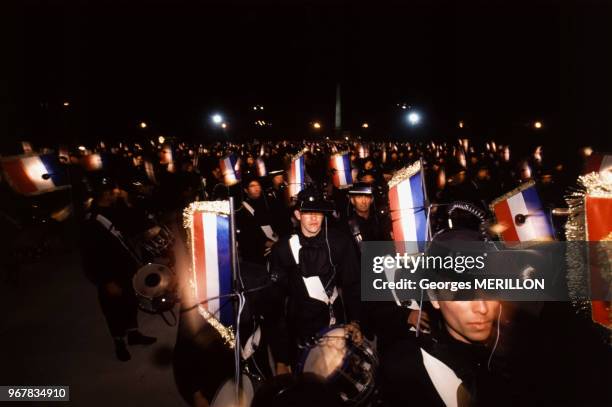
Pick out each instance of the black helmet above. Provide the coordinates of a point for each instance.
(360, 188)
(311, 199)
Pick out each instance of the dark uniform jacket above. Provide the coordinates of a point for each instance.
(105, 257)
(374, 228)
(385, 319)
(302, 316)
(251, 237)
(405, 380)
(281, 219)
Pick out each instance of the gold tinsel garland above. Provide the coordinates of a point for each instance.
(510, 194)
(217, 207)
(404, 173)
(298, 155)
(592, 185)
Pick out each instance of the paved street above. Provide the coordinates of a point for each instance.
(53, 333)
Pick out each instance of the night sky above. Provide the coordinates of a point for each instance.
(498, 66)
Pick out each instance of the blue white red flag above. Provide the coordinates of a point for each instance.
(601, 163)
(230, 168)
(261, 167)
(94, 162)
(296, 175)
(598, 227)
(340, 165)
(407, 208)
(363, 151)
(521, 216)
(212, 264)
(34, 174)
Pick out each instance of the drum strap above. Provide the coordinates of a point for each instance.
(443, 378)
(313, 284)
(108, 225)
(267, 229)
(355, 231)
(251, 344)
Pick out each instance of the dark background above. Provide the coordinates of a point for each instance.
(498, 66)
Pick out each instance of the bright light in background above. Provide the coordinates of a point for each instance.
(365, 125)
(224, 125)
(537, 125)
(143, 125)
(316, 125)
(66, 104)
(461, 124)
(414, 118)
(217, 119)
(161, 139)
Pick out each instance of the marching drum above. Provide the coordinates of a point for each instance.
(156, 245)
(155, 288)
(348, 368)
(228, 397)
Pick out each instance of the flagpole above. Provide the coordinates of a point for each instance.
(233, 243)
(237, 289)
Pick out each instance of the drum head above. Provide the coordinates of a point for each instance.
(152, 280)
(226, 395)
(328, 355)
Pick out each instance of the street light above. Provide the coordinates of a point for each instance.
(537, 125)
(143, 125)
(316, 125)
(224, 125)
(414, 118)
(365, 125)
(461, 124)
(217, 119)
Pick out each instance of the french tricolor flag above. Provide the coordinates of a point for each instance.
(93, 162)
(230, 168)
(363, 151)
(340, 165)
(261, 167)
(212, 266)
(34, 174)
(296, 175)
(521, 216)
(601, 163)
(407, 208)
(598, 222)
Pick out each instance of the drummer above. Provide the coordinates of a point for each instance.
(317, 281)
(385, 320)
(109, 262)
(457, 364)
